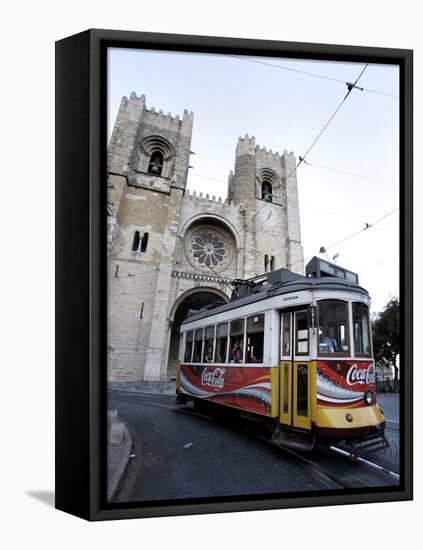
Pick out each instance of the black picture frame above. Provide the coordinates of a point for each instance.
(81, 385)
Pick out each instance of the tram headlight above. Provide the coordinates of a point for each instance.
(368, 397)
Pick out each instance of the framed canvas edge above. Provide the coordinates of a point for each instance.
(93, 505)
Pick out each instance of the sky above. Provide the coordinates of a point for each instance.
(285, 109)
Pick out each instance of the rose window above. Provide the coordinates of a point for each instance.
(208, 249)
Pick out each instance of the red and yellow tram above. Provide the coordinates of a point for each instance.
(294, 351)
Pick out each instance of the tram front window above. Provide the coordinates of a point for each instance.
(333, 327)
(361, 329)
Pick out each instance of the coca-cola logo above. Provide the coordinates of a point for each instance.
(357, 375)
(214, 378)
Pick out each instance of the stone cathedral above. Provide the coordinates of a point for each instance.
(171, 251)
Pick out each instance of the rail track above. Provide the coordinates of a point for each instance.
(347, 471)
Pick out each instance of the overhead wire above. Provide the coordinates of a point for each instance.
(313, 165)
(308, 73)
(351, 87)
(367, 226)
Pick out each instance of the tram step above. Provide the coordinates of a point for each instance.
(369, 444)
(296, 440)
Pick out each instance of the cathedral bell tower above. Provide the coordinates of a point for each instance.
(264, 185)
(148, 161)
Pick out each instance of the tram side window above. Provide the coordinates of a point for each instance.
(333, 327)
(301, 333)
(198, 345)
(361, 329)
(255, 339)
(208, 345)
(236, 342)
(188, 347)
(221, 343)
(286, 335)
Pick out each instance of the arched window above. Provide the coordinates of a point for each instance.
(269, 184)
(155, 165)
(266, 191)
(155, 156)
(266, 263)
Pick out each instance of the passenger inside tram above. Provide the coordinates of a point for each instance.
(208, 356)
(237, 351)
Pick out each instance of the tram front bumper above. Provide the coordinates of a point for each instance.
(351, 422)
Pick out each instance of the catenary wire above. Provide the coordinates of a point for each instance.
(369, 226)
(349, 173)
(302, 158)
(308, 73)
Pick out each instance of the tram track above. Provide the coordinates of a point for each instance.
(316, 467)
(313, 464)
(331, 480)
(364, 461)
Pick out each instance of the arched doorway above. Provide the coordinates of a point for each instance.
(192, 300)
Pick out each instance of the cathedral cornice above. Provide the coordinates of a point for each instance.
(200, 276)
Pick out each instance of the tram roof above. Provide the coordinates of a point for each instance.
(297, 285)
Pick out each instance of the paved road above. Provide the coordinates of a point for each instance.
(186, 456)
(390, 458)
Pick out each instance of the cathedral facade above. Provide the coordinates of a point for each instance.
(170, 250)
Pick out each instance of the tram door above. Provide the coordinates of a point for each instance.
(295, 374)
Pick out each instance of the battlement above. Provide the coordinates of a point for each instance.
(247, 145)
(267, 152)
(206, 199)
(187, 116)
(164, 120)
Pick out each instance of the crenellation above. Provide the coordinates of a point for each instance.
(200, 199)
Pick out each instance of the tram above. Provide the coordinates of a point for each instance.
(292, 351)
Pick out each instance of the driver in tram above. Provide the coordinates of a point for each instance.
(330, 340)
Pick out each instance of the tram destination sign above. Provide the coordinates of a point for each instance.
(318, 267)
